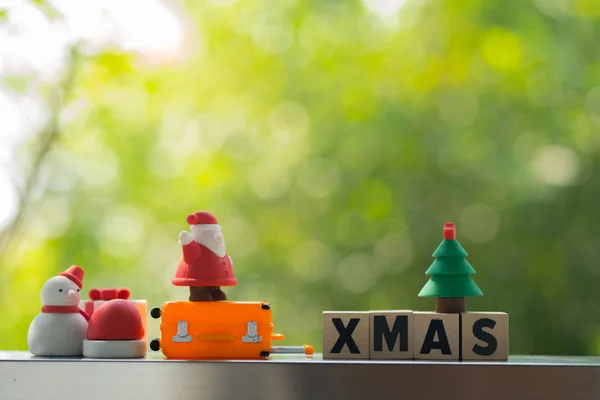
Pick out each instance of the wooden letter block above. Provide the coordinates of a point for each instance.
(436, 336)
(391, 335)
(345, 334)
(484, 336)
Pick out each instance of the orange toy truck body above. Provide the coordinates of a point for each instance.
(215, 330)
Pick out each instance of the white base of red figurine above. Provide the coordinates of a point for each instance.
(114, 348)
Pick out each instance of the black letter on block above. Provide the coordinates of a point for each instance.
(381, 329)
(492, 343)
(436, 325)
(345, 337)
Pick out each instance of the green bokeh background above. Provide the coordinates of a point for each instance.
(333, 145)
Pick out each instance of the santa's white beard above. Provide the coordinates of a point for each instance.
(214, 245)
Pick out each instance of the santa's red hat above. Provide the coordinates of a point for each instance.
(201, 218)
(75, 274)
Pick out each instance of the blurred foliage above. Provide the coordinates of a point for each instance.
(333, 144)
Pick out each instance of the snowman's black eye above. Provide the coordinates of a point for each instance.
(60, 290)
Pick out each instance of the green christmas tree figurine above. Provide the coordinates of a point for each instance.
(450, 282)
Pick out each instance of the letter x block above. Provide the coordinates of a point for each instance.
(345, 335)
(437, 336)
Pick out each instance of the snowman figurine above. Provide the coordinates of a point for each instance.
(61, 327)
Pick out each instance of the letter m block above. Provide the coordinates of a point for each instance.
(391, 334)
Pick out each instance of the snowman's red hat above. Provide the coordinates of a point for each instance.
(75, 274)
(201, 218)
(115, 330)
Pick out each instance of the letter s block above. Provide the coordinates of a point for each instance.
(391, 335)
(484, 336)
(436, 336)
(345, 335)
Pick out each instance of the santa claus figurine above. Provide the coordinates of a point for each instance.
(204, 265)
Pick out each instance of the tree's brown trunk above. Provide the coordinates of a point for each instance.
(207, 293)
(450, 305)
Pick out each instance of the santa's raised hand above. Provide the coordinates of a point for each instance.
(185, 238)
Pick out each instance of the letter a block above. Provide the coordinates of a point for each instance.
(345, 335)
(391, 334)
(484, 336)
(436, 336)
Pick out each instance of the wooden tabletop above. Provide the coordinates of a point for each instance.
(24, 377)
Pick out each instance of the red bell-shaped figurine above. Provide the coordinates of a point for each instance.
(204, 262)
(116, 330)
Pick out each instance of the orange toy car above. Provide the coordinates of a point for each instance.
(217, 330)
